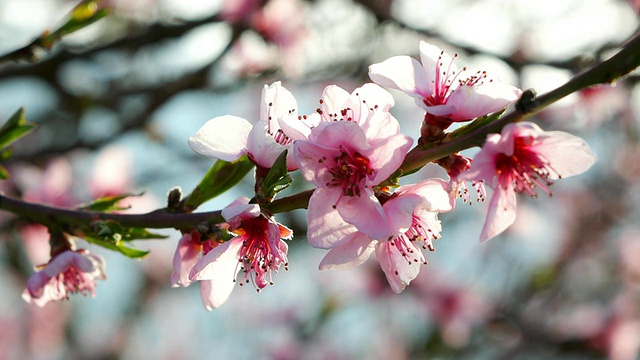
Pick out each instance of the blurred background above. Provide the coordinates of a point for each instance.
(116, 102)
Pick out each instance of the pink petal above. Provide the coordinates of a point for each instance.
(401, 73)
(219, 265)
(354, 252)
(223, 138)
(366, 214)
(567, 154)
(212, 296)
(333, 135)
(63, 261)
(308, 157)
(483, 166)
(234, 210)
(433, 192)
(387, 156)
(501, 213)
(378, 126)
(186, 256)
(325, 226)
(399, 210)
(470, 102)
(36, 285)
(398, 271)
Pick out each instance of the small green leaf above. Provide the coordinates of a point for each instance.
(108, 203)
(276, 180)
(6, 153)
(83, 15)
(221, 177)
(140, 234)
(4, 174)
(117, 246)
(15, 128)
(131, 252)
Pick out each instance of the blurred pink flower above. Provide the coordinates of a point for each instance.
(412, 212)
(620, 337)
(520, 160)
(235, 11)
(281, 21)
(111, 174)
(52, 186)
(438, 87)
(258, 249)
(230, 137)
(454, 307)
(67, 273)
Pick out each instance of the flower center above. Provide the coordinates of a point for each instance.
(74, 281)
(405, 242)
(443, 82)
(349, 172)
(273, 128)
(526, 169)
(258, 255)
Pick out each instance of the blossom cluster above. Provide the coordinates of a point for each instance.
(351, 148)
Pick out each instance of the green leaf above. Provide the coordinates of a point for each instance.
(276, 180)
(15, 128)
(6, 153)
(4, 174)
(221, 177)
(140, 234)
(83, 15)
(108, 203)
(131, 252)
(117, 246)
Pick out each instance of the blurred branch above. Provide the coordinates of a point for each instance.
(68, 218)
(381, 10)
(83, 15)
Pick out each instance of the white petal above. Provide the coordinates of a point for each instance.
(223, 138)
(219, 264)
(349, 255)
(401, 73)
(264, 150)
(470, 102)
(431, 57)
(325, 226)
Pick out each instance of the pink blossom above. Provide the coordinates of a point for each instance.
(235, 11)
(456, 308)
(440, 88)
(67, 273)
(345, 161)
(520, 160)
(412, 214)
(230, 137)
(337, 104)
(257, 249)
